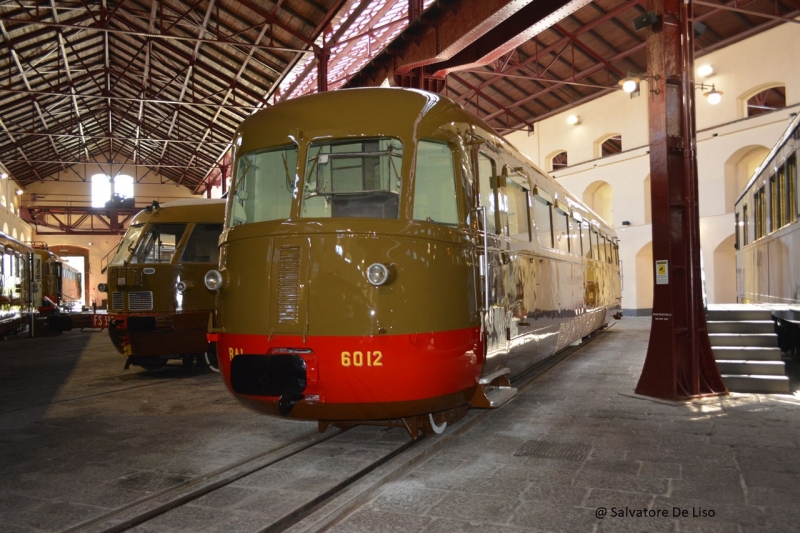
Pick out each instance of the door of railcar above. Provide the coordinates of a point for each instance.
(519, 268)
(491, 264)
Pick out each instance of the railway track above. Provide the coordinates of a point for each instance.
(341, 489)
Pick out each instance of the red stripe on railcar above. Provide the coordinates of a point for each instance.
(383, 368)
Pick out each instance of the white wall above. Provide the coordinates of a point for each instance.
(722, 131)
(10, 223)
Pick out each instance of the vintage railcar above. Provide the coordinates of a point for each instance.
(61, 284)
(388, 257)
(15, 288)
(767, 238)
(33, 281)
(158, 304)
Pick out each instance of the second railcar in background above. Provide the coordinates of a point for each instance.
(61, 284)
(388, 257)
(767, 233)
(158, 304)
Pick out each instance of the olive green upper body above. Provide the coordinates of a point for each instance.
(163, 246)
(297, 274)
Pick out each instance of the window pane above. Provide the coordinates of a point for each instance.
(101, 190)
(517, 202)
(203, 244)
(486, 171)
(791, 188)
(353, 179)
(585, 242)
(123, 186)
(745, 224)
(574, 236)
(435, 185)
(561, 230)
(600, 251)
(126, 246)
(541, 215)
(264, 184)
(158, 243)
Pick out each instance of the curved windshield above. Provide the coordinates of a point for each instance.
(353, 178)
(263, 185)
(126, 246)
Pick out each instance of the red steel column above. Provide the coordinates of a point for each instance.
(679, 363)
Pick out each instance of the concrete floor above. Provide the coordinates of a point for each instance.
(602, 450)
(79, 437)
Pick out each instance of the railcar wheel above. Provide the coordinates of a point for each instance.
(433, 427)
(210, 356)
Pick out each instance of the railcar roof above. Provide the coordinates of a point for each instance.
(188, 210)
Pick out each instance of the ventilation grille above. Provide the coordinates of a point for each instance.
(117, 302)
(289, 284)
(140, 301)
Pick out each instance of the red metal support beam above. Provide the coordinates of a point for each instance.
(679, 363)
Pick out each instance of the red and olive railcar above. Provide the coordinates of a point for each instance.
(387, 257)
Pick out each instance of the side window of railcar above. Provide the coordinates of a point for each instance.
(158, 243)
(586, 244)
(774, 203)
(202, 246)
(745, 225)
(486, 173)
(609, 252)
(542, 219)
(575, 236)
(435, 184)
(600, 251)
(263, 185)
(561, 229)
(353, 179)
(791, 188)
(761, 213)
(519, 226)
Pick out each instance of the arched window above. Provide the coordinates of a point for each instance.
(611, 146)
(559, 161)
(103, 189)
(765, 101)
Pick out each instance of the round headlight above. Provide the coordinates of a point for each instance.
(377, 274)
(102, 287)
(213, 280)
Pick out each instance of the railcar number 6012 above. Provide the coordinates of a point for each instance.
(357, 359)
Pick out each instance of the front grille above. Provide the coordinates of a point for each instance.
(289, 284)
(117, 302)
(140, 301)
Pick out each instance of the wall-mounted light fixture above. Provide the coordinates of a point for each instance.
(714, 96)
(19, 192)
(630, 83)
(574, 120)
(3, 175)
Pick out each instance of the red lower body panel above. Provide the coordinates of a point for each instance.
(366, 378)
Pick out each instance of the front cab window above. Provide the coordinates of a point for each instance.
(263, 185)
(353, 179)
